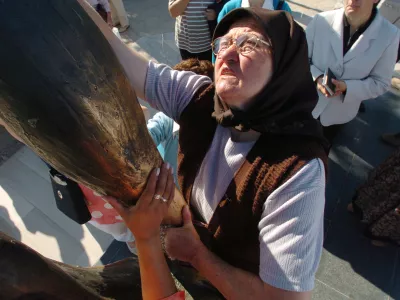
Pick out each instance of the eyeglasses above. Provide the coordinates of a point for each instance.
(245, 43)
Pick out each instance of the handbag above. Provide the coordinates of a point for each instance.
(69, 197)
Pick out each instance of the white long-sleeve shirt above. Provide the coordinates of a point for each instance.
(291, 225)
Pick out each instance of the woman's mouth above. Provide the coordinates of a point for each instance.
(227, 72)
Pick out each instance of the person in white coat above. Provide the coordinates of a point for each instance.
(360, 47)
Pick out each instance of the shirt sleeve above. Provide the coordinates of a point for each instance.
(378, 81)
(106, 5)
(160, 128)
(291, 230)
(310, 35)
(170, 91)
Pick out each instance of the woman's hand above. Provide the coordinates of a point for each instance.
(340, 87)
(321, 88)
(183, 243)
(145, 217)
(109, 20)
(210, 14)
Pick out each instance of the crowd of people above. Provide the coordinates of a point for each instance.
(251, 89)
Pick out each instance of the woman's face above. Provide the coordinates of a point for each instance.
(238, 77)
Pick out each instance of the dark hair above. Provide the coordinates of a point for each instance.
(200, 67)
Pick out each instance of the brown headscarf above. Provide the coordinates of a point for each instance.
(285, 104)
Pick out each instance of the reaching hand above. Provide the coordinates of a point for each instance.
(210, 14)
(183, 243)
(145, 217)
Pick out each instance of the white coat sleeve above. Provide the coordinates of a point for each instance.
(310, 35)
(378, 81)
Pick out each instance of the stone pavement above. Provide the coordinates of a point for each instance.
(351, 268)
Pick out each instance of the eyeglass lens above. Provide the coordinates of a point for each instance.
(245, 43)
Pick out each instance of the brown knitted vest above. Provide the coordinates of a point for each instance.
(233, 233)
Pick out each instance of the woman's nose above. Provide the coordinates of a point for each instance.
(231, 53)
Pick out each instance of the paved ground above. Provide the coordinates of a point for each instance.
(350, 267)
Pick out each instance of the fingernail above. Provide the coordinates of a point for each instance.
(172, 170)
(168, 166)
(158, 172)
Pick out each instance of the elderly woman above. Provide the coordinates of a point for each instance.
(251, 160)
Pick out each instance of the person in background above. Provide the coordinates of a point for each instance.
(212, 13)
(390, 9)
(192, 35)
(103, 8)
(118, 15)
(360, 47)
(377, 202)
(266, 4)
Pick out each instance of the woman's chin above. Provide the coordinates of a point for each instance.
(226, 90)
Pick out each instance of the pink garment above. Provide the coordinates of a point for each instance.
(177, 296)
(102, 212)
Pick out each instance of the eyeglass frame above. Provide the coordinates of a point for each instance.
(268, 44)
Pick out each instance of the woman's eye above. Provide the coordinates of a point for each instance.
(224, 45)
(249, 45)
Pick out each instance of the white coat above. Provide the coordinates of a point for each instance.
(366, 68)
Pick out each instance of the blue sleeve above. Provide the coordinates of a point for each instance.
(160, 128)
(223, 12)
(286, 7)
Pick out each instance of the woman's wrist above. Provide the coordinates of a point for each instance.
(150, 241)
(318, 78)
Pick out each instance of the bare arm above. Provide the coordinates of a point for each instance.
(144, 221)
(291, 236)
(135, 65)
(157, 282)
(233, 283)
(177, 7)
(227, 279)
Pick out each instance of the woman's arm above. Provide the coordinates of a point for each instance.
(378, 81)
(157, 282)
(144, 221)
(177, 7)
(233, 283)
(135, 66)
(310, 35)
(291, 235)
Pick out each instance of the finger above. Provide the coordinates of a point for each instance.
(170, 187)
(172, 197)
(162, 181)
(186, 216)
(150, 189)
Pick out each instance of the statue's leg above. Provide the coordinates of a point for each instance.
(25, 274)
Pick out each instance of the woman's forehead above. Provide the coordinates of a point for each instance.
(242, 26)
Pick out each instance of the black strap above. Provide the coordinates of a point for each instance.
(280, 4)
